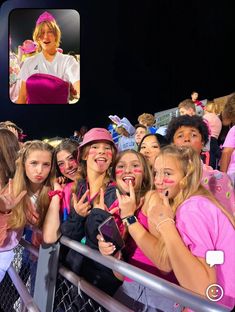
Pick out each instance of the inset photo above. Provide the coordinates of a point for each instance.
(44, 56)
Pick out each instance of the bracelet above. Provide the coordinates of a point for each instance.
(165, 220)
(56, 192)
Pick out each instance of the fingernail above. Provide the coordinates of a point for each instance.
(166, 194)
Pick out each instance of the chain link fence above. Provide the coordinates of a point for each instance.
(69, 299)
(25, 265)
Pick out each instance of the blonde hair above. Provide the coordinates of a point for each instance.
(18, 217)
(211, 107)
(190, 185)
(53, 26)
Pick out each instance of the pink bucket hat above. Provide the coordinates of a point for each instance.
(29, 47)
(97, 134)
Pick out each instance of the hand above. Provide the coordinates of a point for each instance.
(127, 204)
(7, 199)
(73, 93)
(161, 211)
(105, 248)
(60, 183)
(81, 207)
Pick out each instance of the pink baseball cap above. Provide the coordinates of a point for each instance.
(97, 134)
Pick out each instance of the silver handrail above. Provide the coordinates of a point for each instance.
(161, 286)
(22, 290)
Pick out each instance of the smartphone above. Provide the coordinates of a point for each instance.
(110, 232)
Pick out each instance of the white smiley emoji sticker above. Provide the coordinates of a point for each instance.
(214, 292)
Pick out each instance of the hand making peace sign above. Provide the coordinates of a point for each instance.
(81, 207)
(127, 204)
(7, 199)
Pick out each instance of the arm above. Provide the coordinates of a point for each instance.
(22, 94)
(191, 271)
(147, 242)
(76, 86)
(51, 225)
(225, 158)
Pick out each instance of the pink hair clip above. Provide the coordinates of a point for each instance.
(45, 17)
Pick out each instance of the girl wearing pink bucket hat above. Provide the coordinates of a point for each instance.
(49, 76)
(96, 154)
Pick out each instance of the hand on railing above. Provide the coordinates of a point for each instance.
(105, 248)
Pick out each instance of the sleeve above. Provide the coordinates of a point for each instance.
(3, 227)
(74, 226)
(196, 228)
(230, 138)
(73, 69)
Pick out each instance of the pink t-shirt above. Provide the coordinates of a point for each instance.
(137, 258)
(203, 226)
(65, 203)
(214, 123)
(221, 186)
(230, 142)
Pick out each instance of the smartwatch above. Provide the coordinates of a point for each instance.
(130, 220)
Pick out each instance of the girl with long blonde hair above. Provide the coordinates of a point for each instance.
(25, 199)
(189, 222)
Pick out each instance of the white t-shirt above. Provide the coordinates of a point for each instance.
(63, 66)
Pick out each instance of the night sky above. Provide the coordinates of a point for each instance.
(139, 56)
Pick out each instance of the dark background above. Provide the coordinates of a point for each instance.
(137, 56)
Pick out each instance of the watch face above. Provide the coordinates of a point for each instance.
(131, 219)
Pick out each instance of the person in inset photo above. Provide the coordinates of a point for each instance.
(50, 76)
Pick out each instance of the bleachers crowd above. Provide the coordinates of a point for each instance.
(158, 196)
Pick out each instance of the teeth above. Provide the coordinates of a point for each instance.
(128, 178)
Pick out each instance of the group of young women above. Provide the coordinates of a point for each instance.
(167, 218)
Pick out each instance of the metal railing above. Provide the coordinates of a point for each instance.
(161, 286)
(58, 289)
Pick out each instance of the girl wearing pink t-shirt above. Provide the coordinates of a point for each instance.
(190, 222)
(132, 175)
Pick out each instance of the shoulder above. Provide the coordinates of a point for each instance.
(197, 205)
(231, 131)
(32, 59)
(66, 58)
